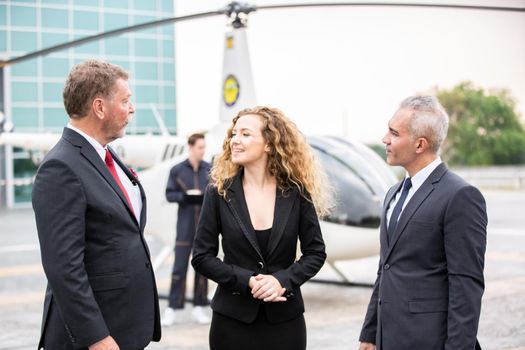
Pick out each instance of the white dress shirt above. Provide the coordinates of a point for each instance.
(133, 190)
(417, 181)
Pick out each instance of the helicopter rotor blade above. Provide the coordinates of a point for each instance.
(390, 4)
(109, 34)
(235, 8)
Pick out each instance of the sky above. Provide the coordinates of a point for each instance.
(344, 70)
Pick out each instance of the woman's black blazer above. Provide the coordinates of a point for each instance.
(294, 218)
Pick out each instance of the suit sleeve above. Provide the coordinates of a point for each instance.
(59, 203)
(174, 192)
(206, 247)
(465, 236)
(312, 249)
(369, 329)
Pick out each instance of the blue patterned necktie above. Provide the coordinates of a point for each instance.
(397, 209)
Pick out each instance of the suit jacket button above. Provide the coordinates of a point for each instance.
(379, 301)
(148, 264)
(261, 265)
(386, 267)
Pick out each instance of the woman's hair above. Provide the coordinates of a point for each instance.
(290, 159)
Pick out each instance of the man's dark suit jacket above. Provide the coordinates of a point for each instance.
(97, 263)
(430, 279)
(294, 218)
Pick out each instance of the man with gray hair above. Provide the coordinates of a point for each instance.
(429, 284)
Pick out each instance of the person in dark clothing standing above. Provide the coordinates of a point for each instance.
(186, 185)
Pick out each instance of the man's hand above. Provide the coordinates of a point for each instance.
(367, 346)
(267, 288)
(108, 343)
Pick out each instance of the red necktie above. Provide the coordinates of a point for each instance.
(111, 166)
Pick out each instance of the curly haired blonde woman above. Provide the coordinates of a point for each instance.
(267, 194)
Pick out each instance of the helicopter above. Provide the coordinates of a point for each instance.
(360, 177)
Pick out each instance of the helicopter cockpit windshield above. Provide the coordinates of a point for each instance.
(360, 188)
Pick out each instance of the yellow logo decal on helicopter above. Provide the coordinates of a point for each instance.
(229, 42)
(230, 90)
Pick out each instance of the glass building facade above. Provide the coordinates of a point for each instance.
(33, 88)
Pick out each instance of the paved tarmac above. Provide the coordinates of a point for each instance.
(334, 313)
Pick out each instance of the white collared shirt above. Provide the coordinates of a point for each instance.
(417, 181)
(133, 190)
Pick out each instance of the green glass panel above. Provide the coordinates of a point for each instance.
(146, 94)
(24, 69)
(23, 167)
(3, 46)
(168, 30)
(93, 3)
(123, 64)
(145, 5)
(146, 71)
(85, 20)
(55, 67)
(117, 46)
(23, 193)
(169, 118)
(24, 92)
(115, 20)
(169, 95)
(145, 118)
(25, 117)
(2, 15)
(54, 1)
(54, 18)
(55, 118)
(23, 16)
(53, 92)
(167, 6)
(168, 48)
(118, 4)
(168, 71)
(145, 47)
(23, 41)
(52, 39)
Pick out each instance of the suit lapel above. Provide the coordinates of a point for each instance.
(283, 206)
(414, 203)
(237, 204)
(92, 156)
(143, 212)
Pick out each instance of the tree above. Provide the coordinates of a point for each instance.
(484, 128)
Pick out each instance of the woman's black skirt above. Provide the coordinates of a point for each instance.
(229, 334)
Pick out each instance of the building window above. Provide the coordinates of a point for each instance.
(24, 92)
(55, 67)
(55, 118)
(25, 117)
(23, 16)
(54, 18)
(85, 20)
(24, 69)
(23, 41)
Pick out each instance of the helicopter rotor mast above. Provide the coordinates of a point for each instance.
(238, 12)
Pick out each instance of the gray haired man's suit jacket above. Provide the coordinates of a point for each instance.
(430, 279)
